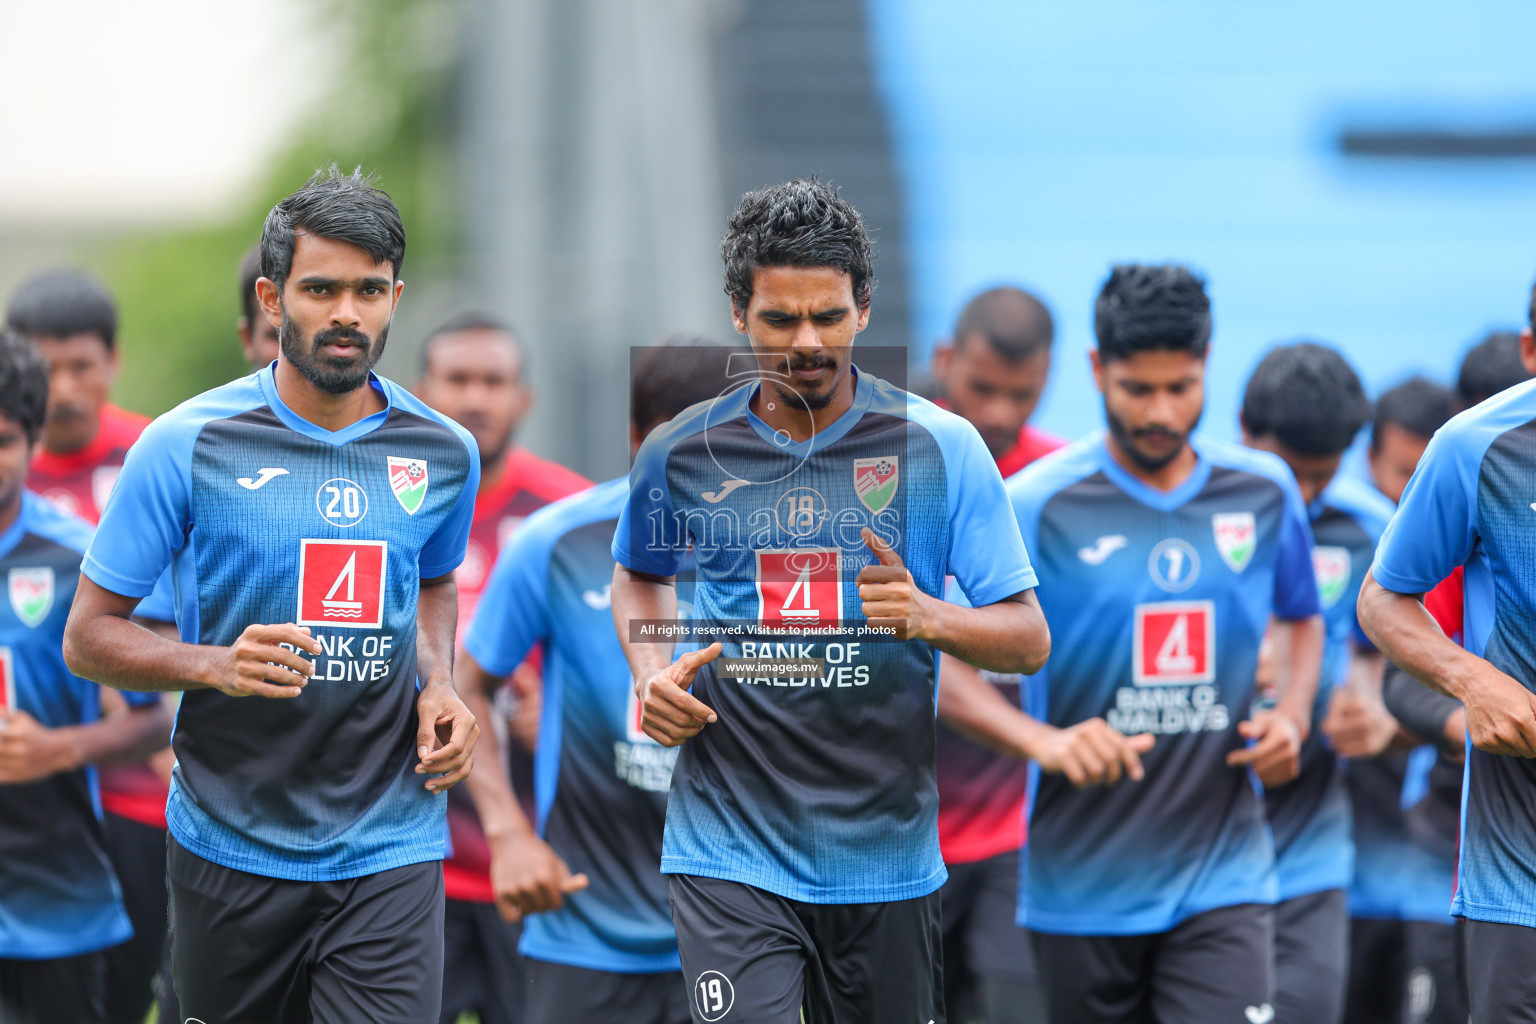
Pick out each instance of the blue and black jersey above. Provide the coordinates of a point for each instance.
(58, 894)
(1158, 602)
(817, 789)
(1311, 816)
(1472, 502)
(600, 783)
(268, 518)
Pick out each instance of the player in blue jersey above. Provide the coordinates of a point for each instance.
(61, 906)
(824, 508)
(600, 947)
(1162, 558)
(1463, 508)
(1305, 404)
(313, 514)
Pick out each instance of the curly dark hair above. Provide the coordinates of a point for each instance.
(347, 207)
(1144, 308)
(800, 223)
(1308, 397)
(23, 384)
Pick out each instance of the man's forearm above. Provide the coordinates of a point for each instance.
(122, 738)
(500, 815)
(1422, 711)
(437, 619)
(972, 706)
(1410, 637)
(1008, 636)
(1301, 656)
(639, 596)
(116, 652)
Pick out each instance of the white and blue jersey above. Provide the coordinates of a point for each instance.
(1470, 502)
(58, 894)
(818, 789)
(600, 783)
(1158, 602)
(1311, 816)
(267, 518)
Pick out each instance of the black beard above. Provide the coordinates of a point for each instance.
(814, 401)
(1123, 437)
(317, 368)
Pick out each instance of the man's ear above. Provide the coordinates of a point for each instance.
(941, 360)
(1096, 364)
(271, 299)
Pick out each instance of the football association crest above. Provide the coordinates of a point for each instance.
(31, 594)
(408, 479)
(1236, 538)
(1331, 567)
(874, 481)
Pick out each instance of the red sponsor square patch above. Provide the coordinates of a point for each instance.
(1175, 642)
(341, 583)
(799, 588)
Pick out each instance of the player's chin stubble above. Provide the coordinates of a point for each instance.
(334, 378)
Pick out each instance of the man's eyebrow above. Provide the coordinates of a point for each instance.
(332, 282)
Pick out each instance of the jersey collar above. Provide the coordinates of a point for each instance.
(862, 395)
(351, 432)
(1163, 501)
(13, 533)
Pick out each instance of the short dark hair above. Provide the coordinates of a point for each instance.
(470, 321)
(23, 385)
(1307, 397)
(250, 273)
(800, 223)
(1417, 405)
(1014, 323)
(1490, 366)
(1145, 308)
(58, 303)
(349, 208)
(667, 378)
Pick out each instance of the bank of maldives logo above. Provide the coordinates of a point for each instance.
(799, 588)
(874, 481)
(408, 479)
(341, 583)
(31, 594)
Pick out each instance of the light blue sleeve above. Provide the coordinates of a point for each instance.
(513, 613)
(1434, 529)
(149, 513)
(1296, 594)
(648, 538)
(160, 605)
(444, 550)
(986, 552)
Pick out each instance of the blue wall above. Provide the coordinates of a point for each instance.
(1040, 142)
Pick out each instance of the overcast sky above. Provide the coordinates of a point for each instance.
(121, 111)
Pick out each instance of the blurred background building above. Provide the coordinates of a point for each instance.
(1356, 171)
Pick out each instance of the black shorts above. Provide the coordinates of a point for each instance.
(137, 852)
(1214, 968)
(980, 906)
(482, 970)
(752, 957)
(246, 949)
(1312, 957)
(1501, 985)
(65, 989)
(1437, 993)
(561, 994)
(1378, 971)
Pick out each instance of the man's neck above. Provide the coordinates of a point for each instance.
(792, 418)
(1164, 478)
(493, 469)
(10, 511)
(326, 411)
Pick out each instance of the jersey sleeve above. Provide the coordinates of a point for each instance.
(1296, 594)
(513, 613)
(986, 553)
(149, 513)
(160, 605)
(648, 538)
(1434, 529)
(444, 550)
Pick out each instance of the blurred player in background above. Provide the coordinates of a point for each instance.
(258, 336)
(601, 949)
(1468, 505)
(1492, 366)
(801, 837)
(1305, 404)
(72, 320)
(472, 371)
(992, 372)
(1148, 876)
(307, 822)
(1406, 417)
(60, 904)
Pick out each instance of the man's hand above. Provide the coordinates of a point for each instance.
(30, 751)
(528, 877)
(1358, 724)
(670, 714)
(445, 736)
(1092, 753)
(1501, 713)
(255, 666)
(1275, 754)
(890, 596)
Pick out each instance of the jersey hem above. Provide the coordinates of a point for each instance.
(1014, 584)
(386, 860)
(1396, 583)
(626, 558)
(809, 894)
(611, 961)
(71, 946)
(1144, 924)
(109, 580)
(1492, 914)
(1296, 891)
